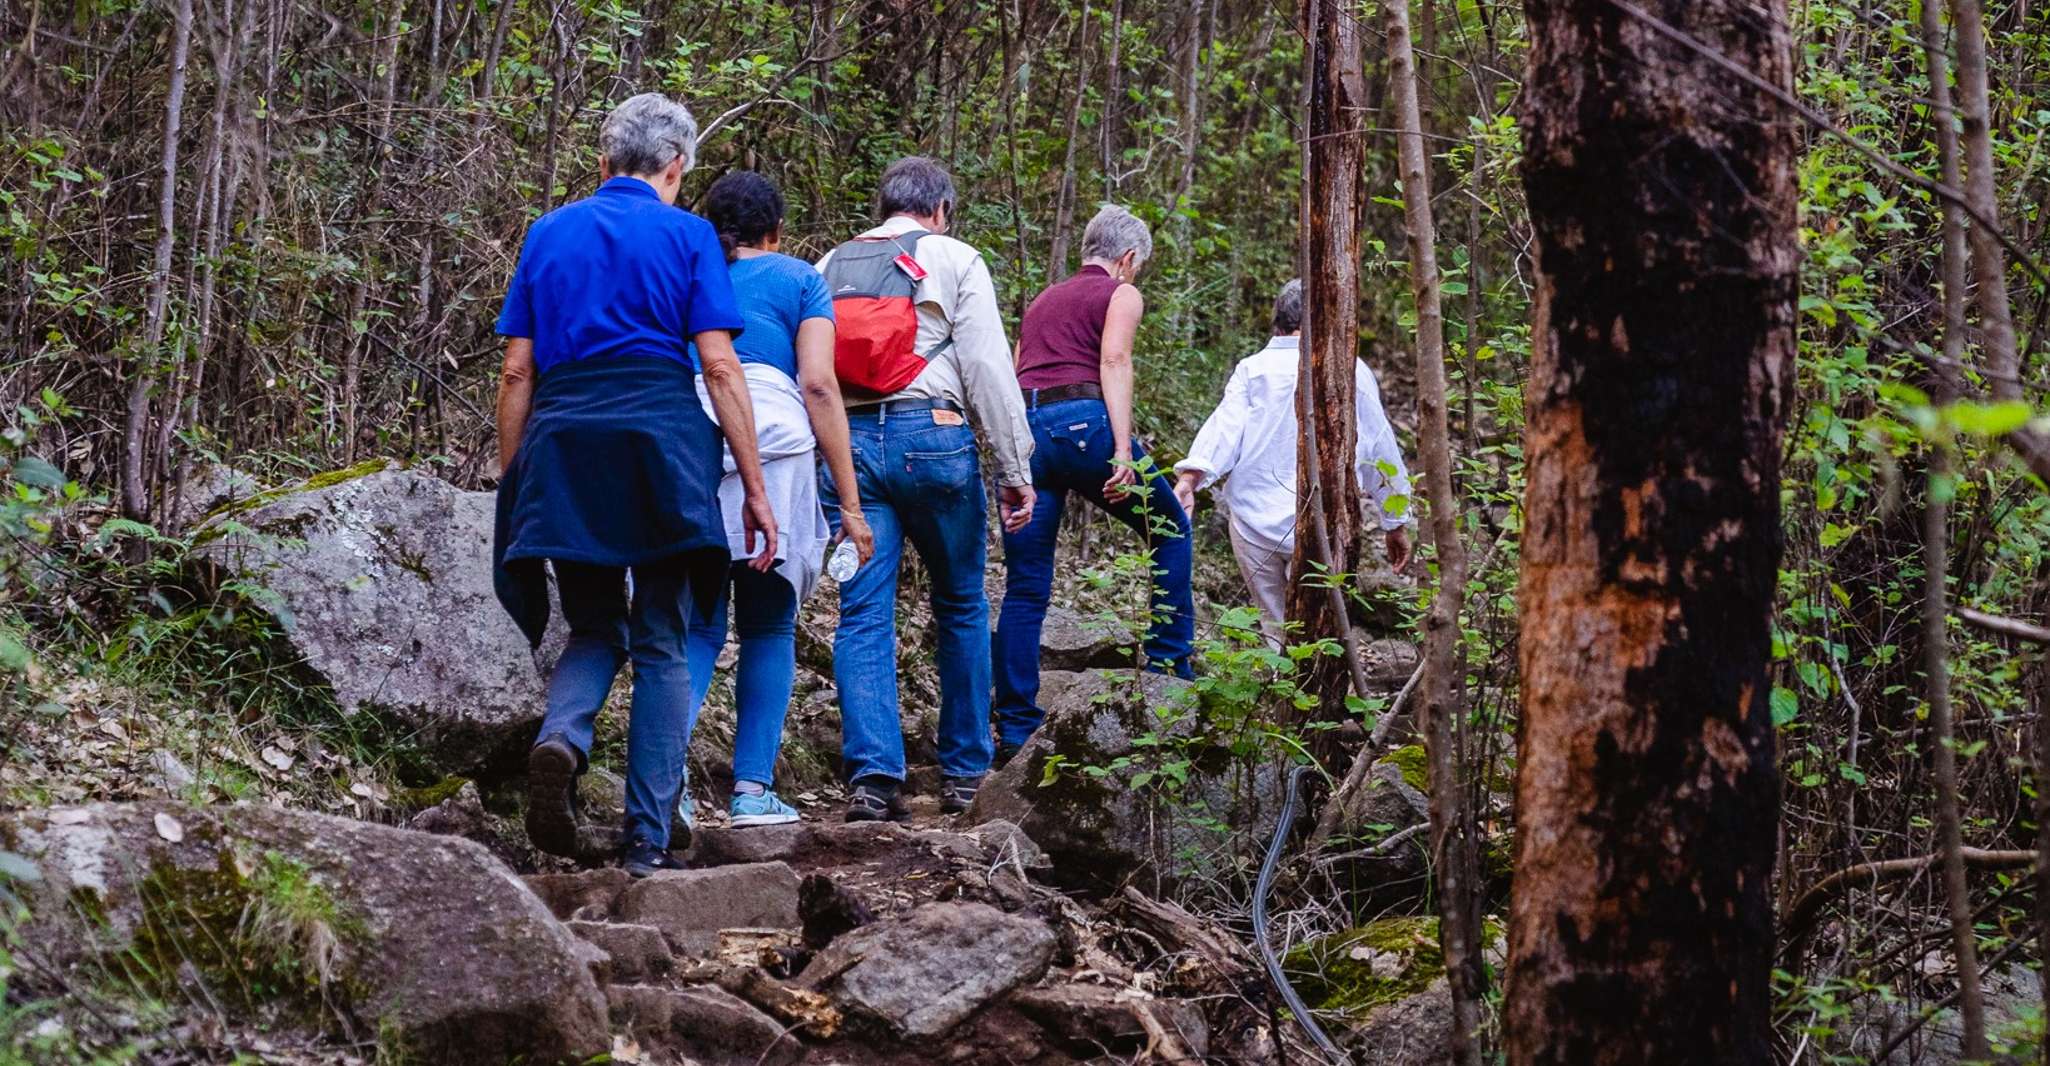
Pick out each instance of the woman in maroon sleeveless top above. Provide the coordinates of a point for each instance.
(1075, 367)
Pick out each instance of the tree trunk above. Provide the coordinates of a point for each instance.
(1113, 99)
(136, 431)
(1996, 320)
(1943, 753)
(1328, 507)
(1662, 359)
(2039, 706)
(1454, 850)
(1936, 560)
(1064, 210)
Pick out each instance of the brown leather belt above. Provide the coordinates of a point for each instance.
(1081, 390)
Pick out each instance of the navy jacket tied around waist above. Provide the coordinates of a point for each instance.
(618, 467)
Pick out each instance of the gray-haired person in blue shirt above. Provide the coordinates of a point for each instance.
(611, 467)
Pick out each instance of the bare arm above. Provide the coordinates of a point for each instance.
(515, 398)
(821, 387)
(726, 383)
(1120, 330)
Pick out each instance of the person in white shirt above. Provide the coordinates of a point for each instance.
(1249, 442)
(920, 481)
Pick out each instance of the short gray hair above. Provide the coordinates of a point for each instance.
(914, 185)
(1115, 231)
(1288, 309)
(642, 135)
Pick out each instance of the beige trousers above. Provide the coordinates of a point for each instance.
(1266, 572)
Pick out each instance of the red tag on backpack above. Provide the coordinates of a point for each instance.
(910, 267)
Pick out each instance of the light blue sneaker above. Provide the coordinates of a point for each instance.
(763, 809)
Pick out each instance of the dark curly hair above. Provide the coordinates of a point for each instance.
(744, 207)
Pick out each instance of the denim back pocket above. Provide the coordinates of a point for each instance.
(1081, 433)
(937, 470)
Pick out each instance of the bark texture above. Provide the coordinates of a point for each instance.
(1662, 196)
(1334, 196)
(1454, 850)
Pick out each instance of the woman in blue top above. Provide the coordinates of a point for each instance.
(786, 351)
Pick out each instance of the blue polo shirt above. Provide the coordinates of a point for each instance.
(619, 273)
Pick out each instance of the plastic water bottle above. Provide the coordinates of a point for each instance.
(845, 561)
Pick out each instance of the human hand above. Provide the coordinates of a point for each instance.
(1124, 477)
(854, 527)
(1398, 549)
(758, 520)
(1185, 494)
(1014, 506)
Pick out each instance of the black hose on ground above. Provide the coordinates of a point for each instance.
(1275, 976)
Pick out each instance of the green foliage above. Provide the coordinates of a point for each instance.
(259, 930)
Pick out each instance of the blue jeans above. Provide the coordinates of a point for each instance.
(919, 482)
(604, 632)
(765, 613)
(1072, 450)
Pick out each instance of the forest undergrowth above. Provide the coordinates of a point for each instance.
(272, 237)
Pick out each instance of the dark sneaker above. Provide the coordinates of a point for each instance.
(956, 793)
(551, 796)
(1005, 753)
(869, 802)
(643, 859)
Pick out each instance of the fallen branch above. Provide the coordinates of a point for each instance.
(1362, 766)
(1381, 848)
(2006, 627)
(1800, 920)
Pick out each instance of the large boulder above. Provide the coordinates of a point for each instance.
(424, 943)
(1122, 779)
(381, 580)
(922, 974)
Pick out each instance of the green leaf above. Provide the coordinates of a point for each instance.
(1786, 706)
(30, 470)
(1833, 534)
(1988, 419)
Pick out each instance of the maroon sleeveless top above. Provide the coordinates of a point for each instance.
(1060, 342)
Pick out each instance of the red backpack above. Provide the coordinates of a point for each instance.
(875, 322)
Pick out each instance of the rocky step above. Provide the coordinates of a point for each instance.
(793, 944)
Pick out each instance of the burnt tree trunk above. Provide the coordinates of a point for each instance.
(1662, 195)
(1334, 196)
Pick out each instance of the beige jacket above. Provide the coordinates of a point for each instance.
(958, 299)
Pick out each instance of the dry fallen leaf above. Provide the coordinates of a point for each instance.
(168, 828)
(278, 759)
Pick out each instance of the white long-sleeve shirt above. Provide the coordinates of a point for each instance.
(1249, 441)
(958, 299)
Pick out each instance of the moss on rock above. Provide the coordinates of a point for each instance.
(259, 930)
(327, 479)
(419, 799)
(1368, 966)
(1414, 764)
